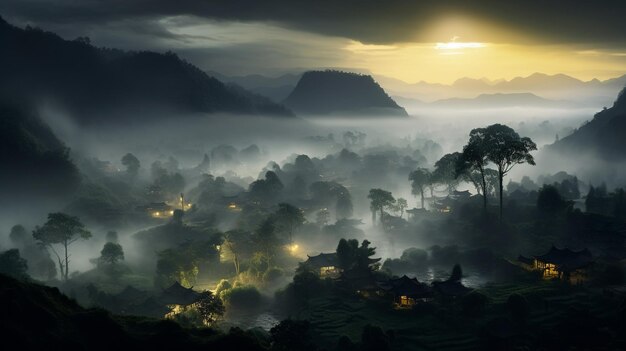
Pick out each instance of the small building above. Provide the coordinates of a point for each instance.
(178, 298)
(460, 195)
(406, 292)
(563, 264)
(326, 264)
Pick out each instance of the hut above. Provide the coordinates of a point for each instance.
(564, 264)
(178, 298)
(325, 264)
(406, 292)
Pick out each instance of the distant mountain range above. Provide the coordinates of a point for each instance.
(104, 84)
(558, 87)
(604, 135)
(497, 100)
(341, 93)
(552, 87)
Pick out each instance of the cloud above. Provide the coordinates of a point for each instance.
(367, 21)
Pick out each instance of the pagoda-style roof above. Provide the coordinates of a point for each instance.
(322, 260)
(451, 288)
(405, 286)
(177, 294)
(566, 259)
(525, 260)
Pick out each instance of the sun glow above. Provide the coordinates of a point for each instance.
(453, 45)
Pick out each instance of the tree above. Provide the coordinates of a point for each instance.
(420, 179)
(457, 273)
(132, 164)
(380, 199)
(346, 253)
(237, 243)
(401, 205)
(474, 159)
(210, 308)
(12, 264)
(446, 170)
(111, 253)
(289, 218)
(61, 229)
(550, 201)
(505, 148)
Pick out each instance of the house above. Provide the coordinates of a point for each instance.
(406, 292)
(326, 264)
(415, 212)
(178, 298)
(460, 195)
(563, 264)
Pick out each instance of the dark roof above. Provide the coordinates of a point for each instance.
(566, 259)
(461, 193)
(155, 206)
(405, 286)
(451, 288)
(177, 294)
(322, 260)
(525, 260)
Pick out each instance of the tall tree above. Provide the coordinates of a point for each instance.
(420, 178)
(61, 229)
(380, 199)
(505, 148)
(445, 170)
(111, 253)
(401, 205)
(474, 159)
(289, 218)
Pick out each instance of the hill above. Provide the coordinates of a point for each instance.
(33, 160)
(335, 92)
(40, 317)
(605, 134)
(105, 84)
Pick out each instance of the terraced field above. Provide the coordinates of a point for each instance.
(445, 327)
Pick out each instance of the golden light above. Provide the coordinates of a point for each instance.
(453, 45)
(293, 249)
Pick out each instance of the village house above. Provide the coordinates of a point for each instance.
(325, 264)
(178, 299)
(563, 264)
(406, 292)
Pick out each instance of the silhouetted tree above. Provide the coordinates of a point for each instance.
(505, 148)
(111, 253)
(210, 308)
(292, 335)
(401, 205)
(474, 158)
(380, 199)
(289, 218)
(343, 208)
(61, 229)
(12, 264)
(446, 170)
(420, 179)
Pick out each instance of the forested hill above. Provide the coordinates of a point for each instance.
(33, 160)
(341, 93)
(105, 83)
(605, 134)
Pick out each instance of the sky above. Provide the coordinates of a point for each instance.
(434, 41)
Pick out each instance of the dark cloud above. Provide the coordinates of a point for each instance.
(369, 21)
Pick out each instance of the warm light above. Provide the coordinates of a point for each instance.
(172, 212)
(452, 45)
(293, 248)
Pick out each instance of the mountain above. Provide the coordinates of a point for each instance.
(275, 88)
(553, 87)
(104, 84)
(34, 161)
(499, 100)
(335, 92)
(605, 134)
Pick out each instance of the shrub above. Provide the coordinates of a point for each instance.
(246, 297)
(273, 274)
